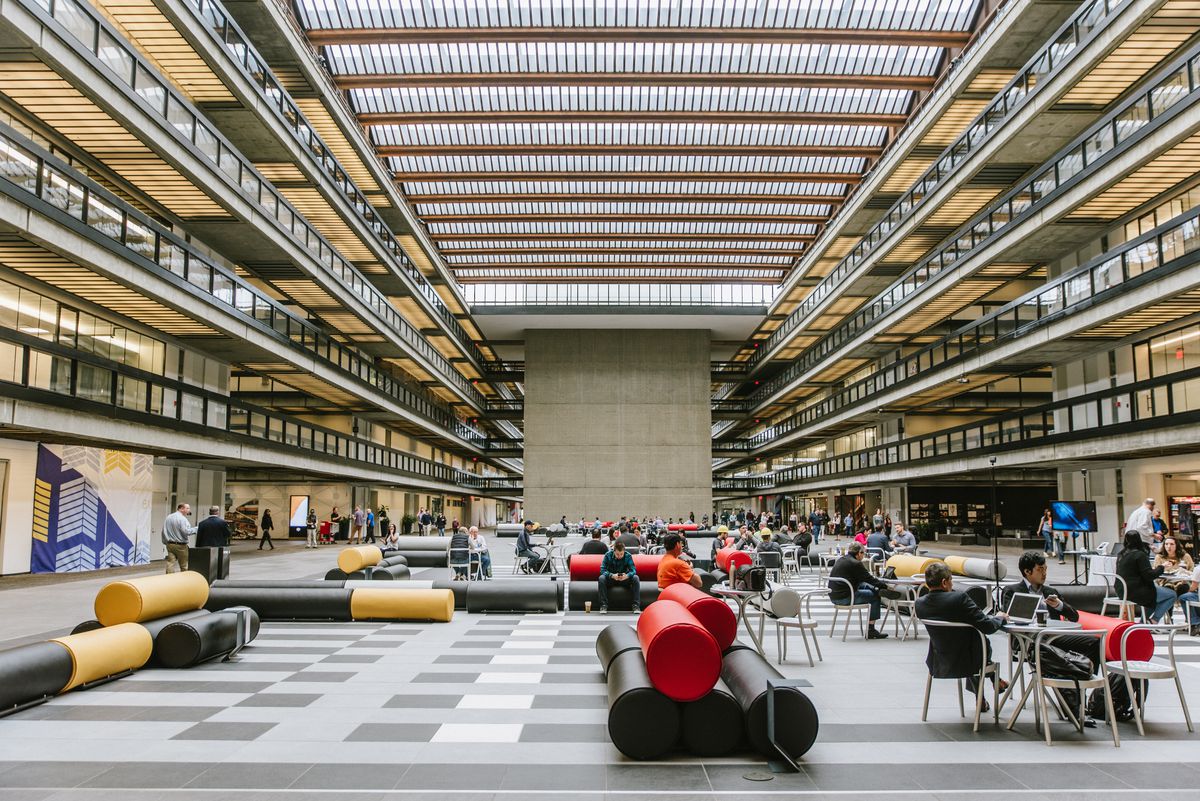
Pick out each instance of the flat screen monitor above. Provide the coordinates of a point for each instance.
(1073, 516)
(299, 516)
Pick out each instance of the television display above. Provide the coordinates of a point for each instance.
(299, 516)
(1073, 516)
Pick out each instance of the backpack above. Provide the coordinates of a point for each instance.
(1122, 704)
(750, 578)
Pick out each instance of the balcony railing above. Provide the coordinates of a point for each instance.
(1118, 132)
(1171, 400)
(1172, 246)
(1048, 61)
(30, 174)
(226, 33)
(139, 80)
(47, 372)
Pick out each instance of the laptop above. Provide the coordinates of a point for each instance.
(1023, 606)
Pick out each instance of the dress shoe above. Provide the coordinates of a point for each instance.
(875, 634)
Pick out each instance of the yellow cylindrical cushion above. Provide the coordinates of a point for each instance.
(358, 557)
(140, 599)
(385, 604)
(104, 652)
(907, 565)
(957, 565)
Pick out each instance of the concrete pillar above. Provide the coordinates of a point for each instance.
(617, 423)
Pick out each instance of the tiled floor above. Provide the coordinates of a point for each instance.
(499, 706)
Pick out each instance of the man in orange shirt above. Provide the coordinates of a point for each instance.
(672, 569)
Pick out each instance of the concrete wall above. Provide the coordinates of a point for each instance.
(617, 423)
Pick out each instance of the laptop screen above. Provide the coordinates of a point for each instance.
(1023, 606)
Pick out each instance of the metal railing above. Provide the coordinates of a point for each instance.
(139, 80)
(30, 174)
(47, 372)
(1057, 52)
(1172, 246)
(1119, 131)
(1171, 400)
(229, 36)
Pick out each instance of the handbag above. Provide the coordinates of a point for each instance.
(750, 578)
(1060, 663)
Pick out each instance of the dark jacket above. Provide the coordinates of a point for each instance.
(853, 571)
(954, 653)
(460, 547)
(1133, 565)
(594, 547)
(612, 566)
(802, 539)
(212, 532)
(1064, 612)
(877, 539)
(630, 540)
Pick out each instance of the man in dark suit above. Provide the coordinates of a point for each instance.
(1032, 565)
(212, 531)
(866, 588)
(955, 653)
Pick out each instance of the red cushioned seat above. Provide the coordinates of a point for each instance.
(586, 567)
(1141, 643)
(713, 613)
(682, 658)
(683, 527)
(732, 556)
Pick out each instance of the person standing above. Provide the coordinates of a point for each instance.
(312, 527)
(1045, 530)
(370, 526)
(356, 525)
(441, 524)
(1141, 520)
(212, 531)
(265, 526)
(175, 533)
(426, 520)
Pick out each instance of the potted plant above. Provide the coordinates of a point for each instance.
(406, 524)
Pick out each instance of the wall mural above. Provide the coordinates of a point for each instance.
(91, 509)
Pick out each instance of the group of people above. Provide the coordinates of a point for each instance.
(469, 553)
(211, 532)
(617, 568)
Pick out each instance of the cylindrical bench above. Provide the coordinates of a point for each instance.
(387, 604)
(184, 643)
(285, 603)
(614, 640)
(32, 673)
(747, 673)
(396, 572)
(732, 556)
(393, 558)
(586, 567)
(620, 597)
(459, 588)
(513, 596)
(356, 557)
(289, 584)
(682, 658)
(712, 726)
(974, 567)
(783, 602)
(137, 599)
(110, 651)
(713, 613)
(421, 551)
(1141, 643)
(642, 722)
(908, 565)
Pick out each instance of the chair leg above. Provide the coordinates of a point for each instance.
(781, 642)
(846, 627)
(861, 628)
(1183, 702)
(925, 708)
(1133, 701)
(962, 710)
(1111, 713)
(817, 645)
(1041, 700)
(979, 700)
(996, 696)
(807, 650)
(833, 625)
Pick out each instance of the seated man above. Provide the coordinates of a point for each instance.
(479, 551)
(631, 541)
(878, 540)
(460, 554)
(672, 569)
(903, 540)
(867, 588)
(954, 653)
(617, 568)
(525, 548)
(745, 540)
(595, 545)
(1032, 565)
(768, 545)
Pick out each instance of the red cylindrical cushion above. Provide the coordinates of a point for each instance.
(713, 613)
(682, 658)
(1141, 643)
(683, 527)
(647, 565)
(608, 524)
(586, 566)
(728, 559)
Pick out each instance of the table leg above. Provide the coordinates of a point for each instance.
(754, 638)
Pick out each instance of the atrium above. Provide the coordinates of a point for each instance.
(356, 277)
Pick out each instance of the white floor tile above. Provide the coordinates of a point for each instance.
(496, 702)
(509, 678)
(478, 733)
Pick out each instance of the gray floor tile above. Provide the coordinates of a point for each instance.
(50, 774)
(965, 777)
(137, 686)
(445, 678)
(148, 775)
(489, 644)
(393, 733)
(250, 775)
(299, 636)
(279, 700)
(463, 659)
(674, 778)
(573, 678)
(174, 714)
(1061, 775)
(350, 777)
(557, 659)
(564, 733)
(564, 777)
(731, 778)
(301, 649)
(364, 659)
(224, 731)
(273, 667)
(589, 701)
(864, 777)
(457, 777)
(321, 676)
(423, 702)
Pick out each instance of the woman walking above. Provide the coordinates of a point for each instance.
(265, 526)
(312, 528)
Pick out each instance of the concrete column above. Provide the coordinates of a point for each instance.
(617, 423)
